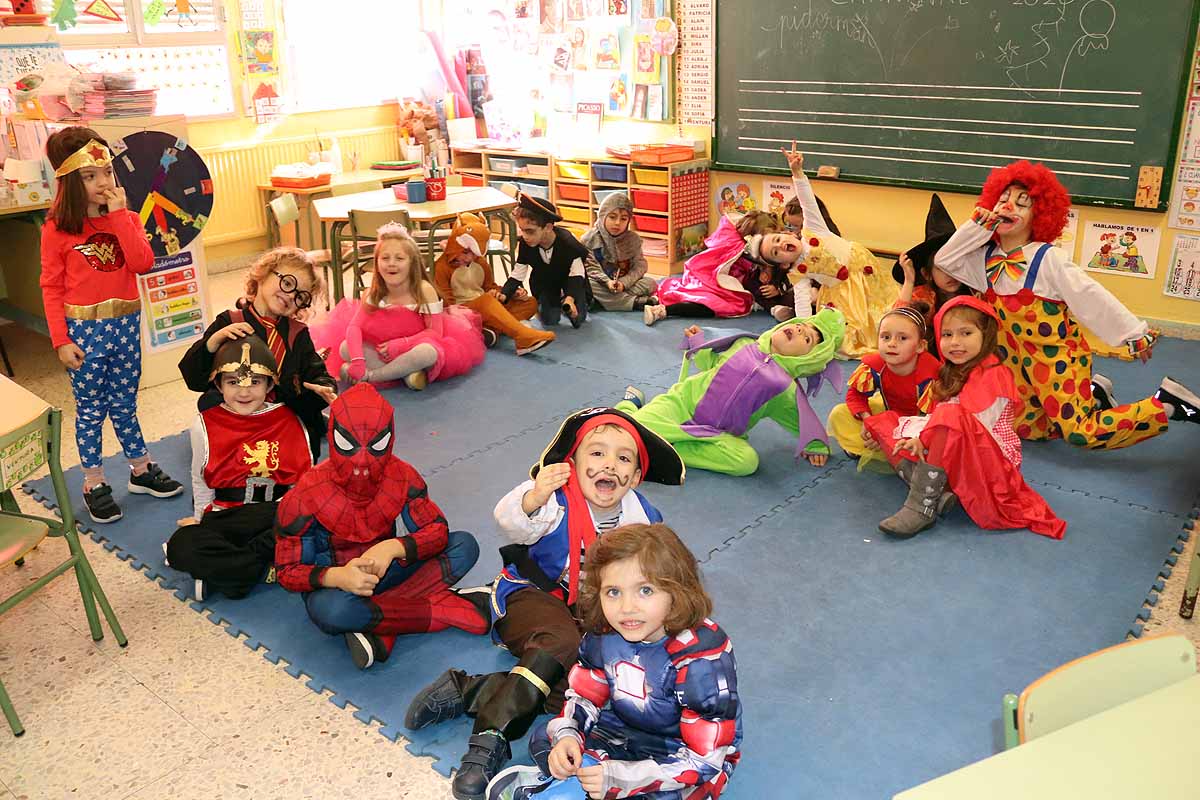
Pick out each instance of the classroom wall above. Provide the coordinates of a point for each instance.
(889, 220)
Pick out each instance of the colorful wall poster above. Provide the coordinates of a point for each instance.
(1185, 198)
(1070, 235)
(646, 66)
(618, 95)
(1120, 249)
(735, 199)
(1183, 273)
(608, 51)
(775, 194)
(172, 302)
(258, 52)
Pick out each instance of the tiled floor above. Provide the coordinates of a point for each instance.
(186, 711)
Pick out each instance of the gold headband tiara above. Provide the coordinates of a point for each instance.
(92, 154)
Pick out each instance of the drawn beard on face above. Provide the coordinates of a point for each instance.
(620, 481)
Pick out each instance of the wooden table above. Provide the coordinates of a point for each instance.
(266, 192)
(429, 216)
(1146, 748)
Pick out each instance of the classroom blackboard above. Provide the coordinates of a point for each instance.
(935, 93)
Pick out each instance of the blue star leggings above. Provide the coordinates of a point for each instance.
(106, 385)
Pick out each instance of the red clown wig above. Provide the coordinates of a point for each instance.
(1051, 202)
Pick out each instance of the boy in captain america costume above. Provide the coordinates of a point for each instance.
(338, 541)
(583, 485)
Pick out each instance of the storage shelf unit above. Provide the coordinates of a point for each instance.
(674, 197)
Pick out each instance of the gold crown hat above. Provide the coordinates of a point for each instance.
(245, 358)
(92, 154)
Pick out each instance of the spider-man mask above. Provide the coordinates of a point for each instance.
(360, 441)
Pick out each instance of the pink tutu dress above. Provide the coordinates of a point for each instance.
(456, 332)
(711, 277)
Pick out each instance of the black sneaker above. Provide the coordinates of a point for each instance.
(154, 482)
(486, 754)
(1102, 392)
(101, 506)
(1185, 404)
(439, 701)
(490, 338)
(365, 649)
(516, 783)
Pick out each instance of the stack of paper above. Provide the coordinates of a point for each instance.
(656, 248)
(113, 95)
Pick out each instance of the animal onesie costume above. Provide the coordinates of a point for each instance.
(455, 332)
(242, 464)
(617, 258)
(360, 496)
(982, 453)
(740, 382)
(90, 295)
(1038, 294)
(470, 285)
(664, 717)
(294, 352)
(535, 592)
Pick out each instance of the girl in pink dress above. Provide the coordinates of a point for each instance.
(400, 330)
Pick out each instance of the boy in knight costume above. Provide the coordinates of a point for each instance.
(583, 485)
(246, 454)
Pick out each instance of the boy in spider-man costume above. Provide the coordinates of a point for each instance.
(338, 541)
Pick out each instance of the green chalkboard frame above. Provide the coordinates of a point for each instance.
(1171, 162)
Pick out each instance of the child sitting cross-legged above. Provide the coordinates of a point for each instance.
(892, 378)
(400, 330)
(617, 268)
(246, 454)
(360, 539)
(966, 445)
(653, 707)
(583, 486)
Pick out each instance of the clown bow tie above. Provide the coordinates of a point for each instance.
(1011, 264)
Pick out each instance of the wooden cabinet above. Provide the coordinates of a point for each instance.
(670, 200)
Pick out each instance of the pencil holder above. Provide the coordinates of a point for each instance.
(435, 188)
(416, 191)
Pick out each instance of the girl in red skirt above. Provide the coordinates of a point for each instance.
(966, 448)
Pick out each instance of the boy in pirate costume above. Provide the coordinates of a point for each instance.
(93, 249)
(554, 262)
(246, 454)
(583, 485)
(1003, 251)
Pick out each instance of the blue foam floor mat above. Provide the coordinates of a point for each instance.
(843, 685)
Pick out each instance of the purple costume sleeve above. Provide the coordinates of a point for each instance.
(809, 423)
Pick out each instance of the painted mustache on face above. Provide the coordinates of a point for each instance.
(622, 482)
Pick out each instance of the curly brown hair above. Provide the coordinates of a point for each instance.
(666, 563)
(290, 258)
(953, 377)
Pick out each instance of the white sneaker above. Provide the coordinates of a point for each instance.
(514, 783)
(652, 314)
(635, 396)
(199, 590)
(166, 561)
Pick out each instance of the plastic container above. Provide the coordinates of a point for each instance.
(573, 191)
(575, 214)
(662, 153)
(538, 169)
(497, 185)
(572, 170)
(472, 180)
(400, 190)
(435, 188)
(651, 177)
(648, 224)
(610, 173)
(535, 190)
(603, 193)
(501, 164)
(416, 190)
(649, 200)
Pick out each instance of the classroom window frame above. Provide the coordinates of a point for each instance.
(136, 37)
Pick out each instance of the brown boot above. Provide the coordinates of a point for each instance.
(532, 339)
(920, 507)
(946, 502)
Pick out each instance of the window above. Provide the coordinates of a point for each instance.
(175, 46)
(370, 52)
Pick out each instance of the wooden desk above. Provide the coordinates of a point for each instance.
(266, 192)
(1146, 748)
(429, 216)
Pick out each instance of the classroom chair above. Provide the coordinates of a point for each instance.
(1096, 682)
(284, 211)
(30, 436)
(364, 228)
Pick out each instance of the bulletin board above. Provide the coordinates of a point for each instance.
(612, 52)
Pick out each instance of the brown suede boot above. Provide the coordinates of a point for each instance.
(945, 503)
(920, 507)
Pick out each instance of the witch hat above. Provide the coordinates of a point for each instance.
(939, 227)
